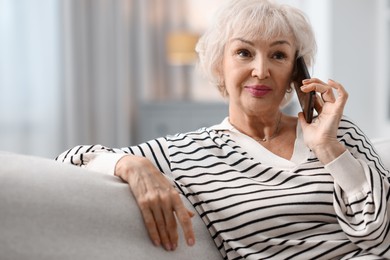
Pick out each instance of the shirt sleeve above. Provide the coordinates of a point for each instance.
(361, 196)
(103, 159)
(93, 157)
(345, 166)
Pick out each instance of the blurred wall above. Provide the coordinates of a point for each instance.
(353, 39)
(354, 60)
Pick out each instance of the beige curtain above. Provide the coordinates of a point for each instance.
(99, 46)
(75, 71)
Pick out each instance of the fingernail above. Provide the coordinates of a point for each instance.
(305, 80)
(190, 242)
(168, 247)
(156, 242)
(174, 246)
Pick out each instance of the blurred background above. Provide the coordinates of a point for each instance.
(119, 72)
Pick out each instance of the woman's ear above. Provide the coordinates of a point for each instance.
(287, 96)
(218, 72)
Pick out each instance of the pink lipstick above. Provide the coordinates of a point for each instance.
(258, 90)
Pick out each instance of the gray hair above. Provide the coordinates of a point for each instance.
(251, 18)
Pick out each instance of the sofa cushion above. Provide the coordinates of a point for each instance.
(49, 210)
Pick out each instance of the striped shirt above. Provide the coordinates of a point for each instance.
(257, 205)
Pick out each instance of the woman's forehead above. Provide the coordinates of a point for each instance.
(269, 39)
(261, 32)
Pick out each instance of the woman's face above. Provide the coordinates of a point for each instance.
(257, 73)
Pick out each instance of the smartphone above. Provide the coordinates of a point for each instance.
(306, 100)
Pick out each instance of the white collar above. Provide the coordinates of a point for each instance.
(301, 152)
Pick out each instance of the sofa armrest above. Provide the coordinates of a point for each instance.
(49, 210)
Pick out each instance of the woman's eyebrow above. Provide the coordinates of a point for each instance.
(278, 42)
(242, 40)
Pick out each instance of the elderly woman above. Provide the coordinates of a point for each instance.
(266, 184)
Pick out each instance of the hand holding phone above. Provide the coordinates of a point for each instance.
(306, 100)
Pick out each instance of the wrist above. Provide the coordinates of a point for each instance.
(124, 167)
(328, 151)
(129, 165)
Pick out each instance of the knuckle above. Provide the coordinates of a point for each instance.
(174, 193)
(164, 195)
(147, 202)
(169, 195)
(183, 216)
(143, 203)
(175, 196)
(185, 220)
(153, 201)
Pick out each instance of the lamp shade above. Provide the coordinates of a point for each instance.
(181, 47)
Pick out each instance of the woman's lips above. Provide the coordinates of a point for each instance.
(258, 90)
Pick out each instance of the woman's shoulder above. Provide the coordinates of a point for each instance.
(202, 132)
(349, 131)
(197, 134)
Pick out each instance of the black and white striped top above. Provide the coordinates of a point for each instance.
(257, 205)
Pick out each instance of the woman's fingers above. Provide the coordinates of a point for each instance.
(159, 207)
(342, 94)
(160, 204)
(333, 97)
(184, 216)
(173, 205)
(318, 103)
(325, 93)
(161, 216)
(168, 231)
(320, 87)
(150, 224)
(159, 219)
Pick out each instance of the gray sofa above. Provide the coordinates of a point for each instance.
(50, 210)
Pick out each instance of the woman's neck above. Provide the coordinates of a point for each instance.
(259, 128)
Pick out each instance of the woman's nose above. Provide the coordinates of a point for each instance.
(260, 68)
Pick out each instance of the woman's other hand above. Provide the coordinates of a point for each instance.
(321, 135)
(159, 202)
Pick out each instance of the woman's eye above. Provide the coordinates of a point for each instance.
(279, 55)
(244, 53)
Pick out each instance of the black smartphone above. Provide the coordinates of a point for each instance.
(306, 100)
